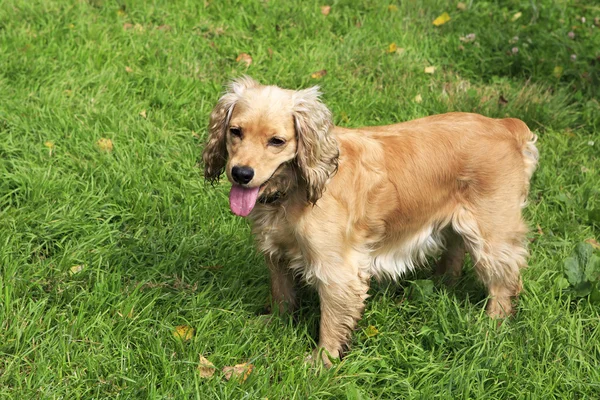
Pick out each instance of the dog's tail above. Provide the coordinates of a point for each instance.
(526, 141)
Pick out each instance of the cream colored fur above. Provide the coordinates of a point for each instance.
(374, 201)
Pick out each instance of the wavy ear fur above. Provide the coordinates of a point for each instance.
(214, 156)
(318, 151)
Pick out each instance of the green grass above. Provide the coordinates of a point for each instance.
(159, 248)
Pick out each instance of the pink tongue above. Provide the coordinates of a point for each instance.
(242, 200)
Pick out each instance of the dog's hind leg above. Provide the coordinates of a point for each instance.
(451, 263)
(496, 240)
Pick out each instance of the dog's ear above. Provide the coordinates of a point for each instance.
(214, 156)
(317, 150)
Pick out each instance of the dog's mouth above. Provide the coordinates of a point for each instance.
(243, 199)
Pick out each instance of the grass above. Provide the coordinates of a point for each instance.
(157, 247)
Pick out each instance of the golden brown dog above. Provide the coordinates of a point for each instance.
(337, 206)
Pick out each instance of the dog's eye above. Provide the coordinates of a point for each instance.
(275, 141)
(236, 132)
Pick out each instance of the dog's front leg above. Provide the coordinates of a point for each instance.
(283, 291)
(342, 305)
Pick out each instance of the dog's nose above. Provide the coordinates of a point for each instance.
(242, 175)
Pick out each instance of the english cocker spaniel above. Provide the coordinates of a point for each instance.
(334, 206)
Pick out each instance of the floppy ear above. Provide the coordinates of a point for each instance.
(214, 156)
(318, 151)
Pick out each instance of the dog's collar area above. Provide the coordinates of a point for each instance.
(272, 198)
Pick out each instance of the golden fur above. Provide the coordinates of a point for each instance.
(374, 201)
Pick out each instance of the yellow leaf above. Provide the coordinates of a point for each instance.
(461, 6)
(121, 12)
(593, 242)
(128, 70)
(371, 331)
(206, 369)
(319, 74)
(442, 19)
(75, 269)
(143, 114)
(325, 10)
(240, 371)
(516, 16)
(557, 72)
(245, 58)
(184, 332)
(49, 144)
(429, 70)
(418, 98)
(105, 144)
(392, 48)
(392, 8)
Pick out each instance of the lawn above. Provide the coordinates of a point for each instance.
(110, 238)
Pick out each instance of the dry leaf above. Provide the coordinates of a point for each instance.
(461, 6)
(138, 27)
(184, 332)
(593, 242)
(128, 70)
(469, 38)
(143, 114)
(371, 331)
(502, 100)
(516, 16)
(245, 58)
(206, 369)
(127, 26)
(164, 27)
(418, 98)
(557, 72)
(325, 10)
(392, 48)
(429, 70)
(75, 269)
(319, 74)
(442, 19)
(240, 371)
(105, 144)
(392, 8)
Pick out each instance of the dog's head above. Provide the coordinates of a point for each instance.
(267, 139)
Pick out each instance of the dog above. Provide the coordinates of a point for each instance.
(334, 207)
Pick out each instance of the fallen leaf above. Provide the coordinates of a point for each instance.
(516, 16)
(442, 19)
(206, 369)
(371, 331)
(502, 100)
(128, 70)
(138, 27)
(418, 98)
(75, 269)
(240, 371)
(143, 114)
(469, 38)
(392, 8)
(539, 230)
(245, 58)
(429, 70)
(49, 144)
(319, 74)
(164, 28)
(68, 92)
(557, 72)
(593, 242)
(325, 10)
(392, 48)
(105, 144)
(127, 26)
(121, 12)
(461, 6)
(184, 332)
